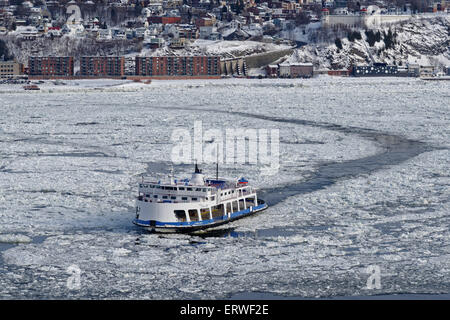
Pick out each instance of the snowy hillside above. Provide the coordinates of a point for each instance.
(423, 41)
(225, 49)
(77, 47)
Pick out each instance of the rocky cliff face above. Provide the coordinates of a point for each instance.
(420, 40)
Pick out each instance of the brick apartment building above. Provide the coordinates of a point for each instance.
(102, 66)
(178, 66)
(164, 20)
(51, 67)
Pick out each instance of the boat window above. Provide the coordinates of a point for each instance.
(173, 198)
(164, 197)
(204, 189)
(181, 188)
(212, 198)
(155, 196)
(180, 215)
(235, 206)
(218, 211)
(249, 202)
(194, 199)
(229, 207)
(198, 189)
(184, 198)
(189, 189)
(204, 212)
(193, 215)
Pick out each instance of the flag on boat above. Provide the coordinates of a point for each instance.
(242, 181)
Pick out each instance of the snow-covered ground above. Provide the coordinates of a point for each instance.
(363, 181)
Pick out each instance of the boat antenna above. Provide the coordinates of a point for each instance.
(217, 162)
(171, 176)
(197, 170)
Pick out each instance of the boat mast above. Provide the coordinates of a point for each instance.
(217, 162)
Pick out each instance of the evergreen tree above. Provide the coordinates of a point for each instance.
(389, 39)
(338, 43)
(350, 36)
(371, 37)
(4, 52)
(239, 6)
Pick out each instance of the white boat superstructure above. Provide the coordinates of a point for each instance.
(196, 203)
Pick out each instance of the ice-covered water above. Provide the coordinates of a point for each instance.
(364, 181)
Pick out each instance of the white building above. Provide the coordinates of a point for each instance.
(284, 70)
(27, 32)
(205, 32)
(369, 17)
(104, 34)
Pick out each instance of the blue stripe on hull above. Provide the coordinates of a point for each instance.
(203, 223)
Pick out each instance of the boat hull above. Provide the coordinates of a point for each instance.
(191, 226)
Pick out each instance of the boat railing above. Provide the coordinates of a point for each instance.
(148, 199)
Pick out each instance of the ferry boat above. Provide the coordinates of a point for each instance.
(191, 204)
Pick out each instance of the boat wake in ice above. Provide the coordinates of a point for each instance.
(396, 149)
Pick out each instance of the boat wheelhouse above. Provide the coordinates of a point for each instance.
(196, 203)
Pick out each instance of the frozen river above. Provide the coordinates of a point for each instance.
(360, 205)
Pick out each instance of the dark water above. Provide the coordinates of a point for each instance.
(405, 296)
